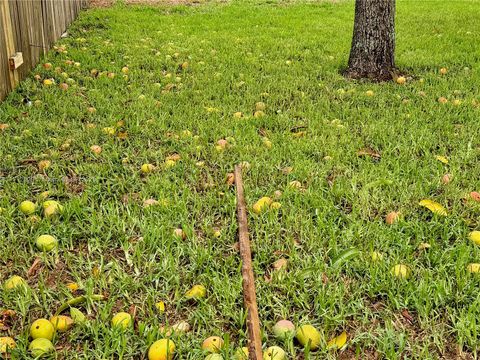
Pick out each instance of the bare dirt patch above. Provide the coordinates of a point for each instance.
(165, 2)
(101, 3)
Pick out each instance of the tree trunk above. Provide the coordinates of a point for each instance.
(373, 46)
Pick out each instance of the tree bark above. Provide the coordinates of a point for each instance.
(372, 54)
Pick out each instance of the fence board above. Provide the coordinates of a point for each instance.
(4, 84)
(31, 27)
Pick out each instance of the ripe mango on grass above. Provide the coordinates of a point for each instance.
(122, 320)
(474, 236)
(307, 334)
(27, 207)
(274, 353)
(51, 207)
(162, 349)
(147, 168)
(212, 344)
(42, 328)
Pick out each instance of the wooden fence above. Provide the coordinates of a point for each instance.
(28, 28)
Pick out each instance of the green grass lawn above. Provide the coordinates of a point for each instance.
(289, 56)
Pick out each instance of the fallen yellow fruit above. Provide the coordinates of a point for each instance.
(96, 149)
(274, 353)
(109, 130)
(61, 323)
(307, 334)
(179, 328)
(268, 144)
(51, 208)
(258, 114)
(260, 106)
(474, 236)
(212, 344)
(169, 163)
(122, 320)
(42, 328)
(160, 306)
(473, 268)
(275, 205)
(376, 256)
(295, 184)
(52, 203)
(44, 164)
(179, 233)
(162, 349)
(147, 168)
(27, 207)
(401, 271)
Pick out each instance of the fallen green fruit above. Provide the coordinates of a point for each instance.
(40, 347)
(27, 207)
(46, 243)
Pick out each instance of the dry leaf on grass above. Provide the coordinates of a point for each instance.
(434, 207)
(338, 342)
(369, 152)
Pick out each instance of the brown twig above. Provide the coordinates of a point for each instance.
(249, 297)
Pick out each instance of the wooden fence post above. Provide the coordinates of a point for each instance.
(28, 28)
(9, 39)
